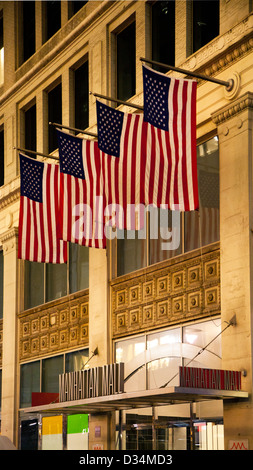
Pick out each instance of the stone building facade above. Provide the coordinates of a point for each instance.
(122, 299)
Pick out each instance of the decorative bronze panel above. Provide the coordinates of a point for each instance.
(169, 293)
(54, 327)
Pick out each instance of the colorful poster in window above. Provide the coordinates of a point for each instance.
(77, 432)
(52, 433)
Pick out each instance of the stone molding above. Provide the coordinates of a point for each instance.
(232, 109)
(184, 289)
(223, 50)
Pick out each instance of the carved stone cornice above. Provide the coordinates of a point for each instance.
(10, 193)
(232, 109)
(9, 235)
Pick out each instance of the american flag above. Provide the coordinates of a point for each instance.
(120, 137)
(38, 236)
(81, 218)
(171, 160)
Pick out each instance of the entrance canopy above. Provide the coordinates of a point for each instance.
(140, 399)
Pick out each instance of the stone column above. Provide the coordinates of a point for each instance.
(99, 425)
(235, 125)
(10, 403)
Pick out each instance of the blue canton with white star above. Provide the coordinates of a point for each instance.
(109, 122)
(156, 92)
(70, 155)
(31, 172)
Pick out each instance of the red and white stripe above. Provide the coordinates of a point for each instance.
(171, 161)
(82, 203)
(38, 231)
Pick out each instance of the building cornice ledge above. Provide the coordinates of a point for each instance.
(232, 109)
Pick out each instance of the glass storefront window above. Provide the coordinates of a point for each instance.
(29, 382)
(153, 360)
(51, 369)
(43, 375)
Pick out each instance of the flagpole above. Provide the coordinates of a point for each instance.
(55, 124)
(36, 153)
(116, 100)
(228, 84)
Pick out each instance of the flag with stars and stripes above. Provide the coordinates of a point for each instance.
(39, 202)
(120, 137)
(171, 159)
(81, 214)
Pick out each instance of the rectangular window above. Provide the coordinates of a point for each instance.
(131, 253)
(76, 360)
(28, 29)
(54, 115)
(126, 62)
(177, 235)
(202, 227)
(167, 350)
(163, 33)
(29, 382)
(51, 369)
(81, 81)
(43, 375)
(205, 22)
(30, 130)
(47, 282)
(34, 284)
(1, 283)
(79, 268)
(1, 48)
(52, 18)
(56, 281)
(1, 157)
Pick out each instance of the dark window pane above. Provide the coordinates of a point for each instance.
(205, 22)
(163, 33)
(82, 96)
(126, 63)
(78, 268)
(30, 130)
(76, 360)
(202, 228)
(51, 369)
(131, 254)
(1, 283)
(56, 281)
(53, 17)
(28, 29)
(29, 434)
(165, 242)
(1, 158)
(54, 115)
(34, 284)
(29, 382)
